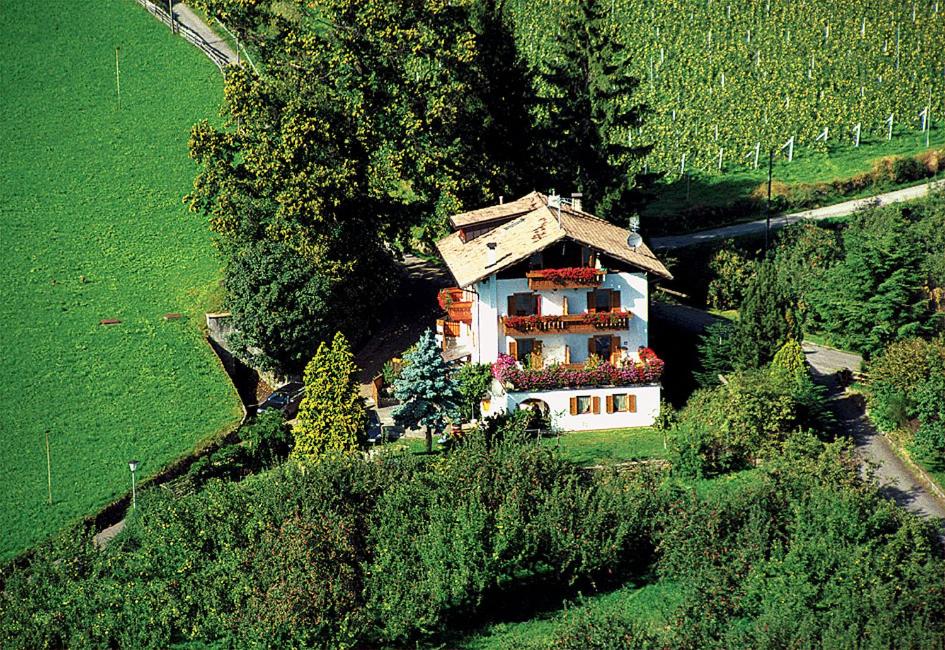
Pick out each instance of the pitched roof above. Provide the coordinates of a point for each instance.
(508, 210)
(533, 231)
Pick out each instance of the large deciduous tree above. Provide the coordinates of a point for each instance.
(331, 416)
(428, 396)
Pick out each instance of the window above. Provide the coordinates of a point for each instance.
(584, 404)
(622, 403)
(602, 346)
(523, 304)
(603, 300)
(526, 351)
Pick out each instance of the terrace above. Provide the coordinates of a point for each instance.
(512, 376)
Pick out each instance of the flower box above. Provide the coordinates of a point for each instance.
(648, 370)
(566, 278)
(568, 323)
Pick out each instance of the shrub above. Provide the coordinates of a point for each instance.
(731, 272)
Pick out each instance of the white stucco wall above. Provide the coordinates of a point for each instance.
(493, 304)
(559, 405)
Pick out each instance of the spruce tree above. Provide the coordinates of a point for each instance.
(587, 110)
(767, 318)
(716, 353)
(331, 416)
(428, 396)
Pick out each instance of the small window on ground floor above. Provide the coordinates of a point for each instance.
(622, 403)
(584, 404)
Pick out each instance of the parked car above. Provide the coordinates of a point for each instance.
(284, 399)
(378, 434)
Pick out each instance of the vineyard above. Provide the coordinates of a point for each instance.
(725, 81)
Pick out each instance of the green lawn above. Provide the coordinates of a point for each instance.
(94, 226)
(589, 447)
(611, 445)
(648, 605)
(808, 166)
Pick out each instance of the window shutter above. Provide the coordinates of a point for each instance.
(564, 305)
(590, 346)
(513, 348)
(614, 300)
(538, 304)
(574, 406)
(511, 306)
(632, 403)
(615, 350)
(567, 354)
(610, 403)
(537, 361)
(591, 306)
(596, 401)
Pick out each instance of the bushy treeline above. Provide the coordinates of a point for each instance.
(348, 553)
(340, 553)
(807, 556)
(874, 280)
(907, 395)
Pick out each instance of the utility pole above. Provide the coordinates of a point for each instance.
(117, 78)
(768, 208)
(48, 468)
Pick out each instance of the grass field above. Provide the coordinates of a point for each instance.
(93, 227)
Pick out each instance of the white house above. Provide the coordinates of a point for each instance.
(557, 300)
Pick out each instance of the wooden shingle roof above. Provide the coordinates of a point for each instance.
(532, 231)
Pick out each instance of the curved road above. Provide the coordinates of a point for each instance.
(757, 227)
(896, 478)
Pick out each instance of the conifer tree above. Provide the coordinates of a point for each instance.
(715, 353)
(586, 112)
(428, 396)
(767, 318)
(331, 416)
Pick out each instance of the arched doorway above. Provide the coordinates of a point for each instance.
(539, 413)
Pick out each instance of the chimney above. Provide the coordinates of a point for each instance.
(501, 199)
(491, 258)
(576, 200)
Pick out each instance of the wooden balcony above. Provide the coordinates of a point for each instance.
(549, 279)
(566, 324)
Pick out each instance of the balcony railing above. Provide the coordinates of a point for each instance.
(457, 304)
(568, 278)
(567, 323)
(647, 370)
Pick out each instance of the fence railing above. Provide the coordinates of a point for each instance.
(188, 34)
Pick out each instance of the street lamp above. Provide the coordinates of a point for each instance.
(133, 466)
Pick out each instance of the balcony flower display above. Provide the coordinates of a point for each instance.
(649, 370)
(528, 323)
(571, 275)
(606, 319)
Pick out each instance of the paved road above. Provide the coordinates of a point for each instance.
(898, 481)
(779, 221)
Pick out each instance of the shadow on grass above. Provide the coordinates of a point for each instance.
(533, 597)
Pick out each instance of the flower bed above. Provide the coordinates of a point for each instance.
(507, 371)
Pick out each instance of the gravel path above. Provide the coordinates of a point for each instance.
(779, 221)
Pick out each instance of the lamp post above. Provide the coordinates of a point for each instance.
(133, 466)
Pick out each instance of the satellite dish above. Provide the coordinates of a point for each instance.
(634, 239)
